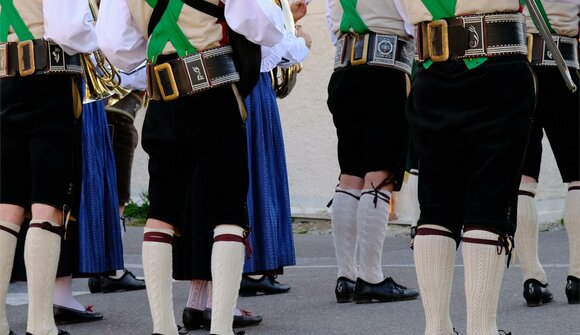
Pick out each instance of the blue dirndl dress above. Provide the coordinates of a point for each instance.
(268, 196)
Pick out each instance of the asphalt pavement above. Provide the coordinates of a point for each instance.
(310, 307)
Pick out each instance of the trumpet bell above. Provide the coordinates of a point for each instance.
(95, 89)
(284, 79)
(118, 94)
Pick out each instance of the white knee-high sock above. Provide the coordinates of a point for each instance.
(372, 220)
(157, 266)
(572, 222)
(526, 238)
(63, 294)
(198, 294)
(344, 231)
(483, 274)
(41, 254)
(8, 238)
(227, 263)
(434, 260)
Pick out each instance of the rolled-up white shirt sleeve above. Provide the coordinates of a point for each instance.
(294, 50)
(135, 80)
(118, 36)
(70, 24)
(260, 21)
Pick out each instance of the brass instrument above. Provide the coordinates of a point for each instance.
(284, 78)
(102, 79)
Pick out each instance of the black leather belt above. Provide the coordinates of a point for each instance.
(541, 56)
(36, 57)
(485, 35)
(192, 74)
(375, 49)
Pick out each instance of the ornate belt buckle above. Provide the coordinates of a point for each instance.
(163, 72)
(359, 49)
(438, 38)
(26, 64)
(3, 60)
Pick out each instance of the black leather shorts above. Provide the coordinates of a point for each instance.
(368, 109)
(470, 129)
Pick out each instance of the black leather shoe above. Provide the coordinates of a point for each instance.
(64, 315)
(240, 321)
(266, 285)
(127, 282)
(192, 318)
(385, 291)
(536, 293)
(344, 290)
(239, 332)
(573, 290)
(11, 332)
(94, 284)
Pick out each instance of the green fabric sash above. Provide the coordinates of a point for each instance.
(351, 19)
(167, 30)
(9, 17)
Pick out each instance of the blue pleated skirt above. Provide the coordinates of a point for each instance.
(268, 196)
(100, 244)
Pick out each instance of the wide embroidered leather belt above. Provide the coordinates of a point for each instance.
(541, 56)
(375, 49)
(36, 57)
(192, 74)
(485, 35)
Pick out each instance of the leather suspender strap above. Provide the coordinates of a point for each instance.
(158, 12)
(207, 8)
(11, 18)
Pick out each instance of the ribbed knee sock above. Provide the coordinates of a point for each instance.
(572, 222)
(434, 260)
(41, 254)
(344, 231)
(227, 263)
(526, 238)
(483, 274)
(8, 237)
(198, 294)
(372, 220)
(157, 266)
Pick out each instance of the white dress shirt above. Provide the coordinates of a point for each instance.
(70, 25)
(126, 46)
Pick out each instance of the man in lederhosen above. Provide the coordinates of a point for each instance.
(470, 111)
(39, 70)
(557, 115)
(366, 96)
(193, 133)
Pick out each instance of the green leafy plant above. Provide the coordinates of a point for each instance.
(137, 212)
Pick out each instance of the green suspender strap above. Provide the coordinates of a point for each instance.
(9, 17)
(167, 30)
(351, 19)
(544, 15)
(441, 9)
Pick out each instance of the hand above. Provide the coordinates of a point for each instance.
(298, 9)
(306, 36)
